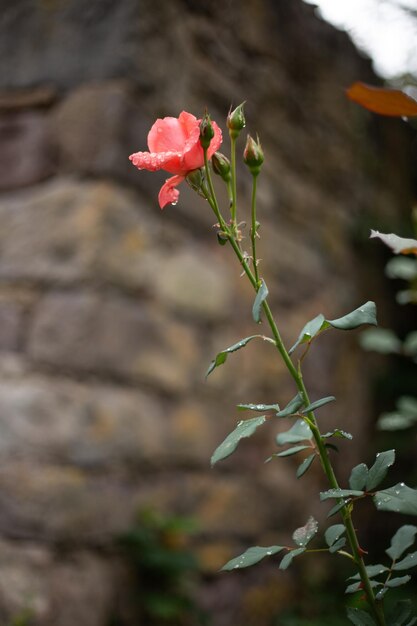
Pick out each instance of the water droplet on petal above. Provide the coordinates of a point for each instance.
(174, 203)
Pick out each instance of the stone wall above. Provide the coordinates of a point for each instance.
(110, 310)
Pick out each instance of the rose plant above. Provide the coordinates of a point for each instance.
(187, 148)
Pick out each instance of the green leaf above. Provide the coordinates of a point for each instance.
(309, 331)
(410, 343)
(258, 407)
(365, 314)
(401, 541)
(340, 493)
(317, 404)
(333, 533)
(398, 581)
(336, 508)
(289, 557)
(380, 340)
(340, 543)
(399, 499)
(251, 556)
(395, 421)
(357, 586)
(401, 613)
(408, 406)
(359, 618)
(401, 267)
(305, 465)
(222, 356)
(399, 245)
(292, 451)
(358, 476)
(372, 570)
(379, 469)
(292, 406)
(243, 429)
(337, 433)
(300, 431)
(407, 562)
(303, 535)
(261, 295)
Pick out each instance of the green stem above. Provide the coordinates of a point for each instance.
(254, 228)
(233, 175)
(376, 607)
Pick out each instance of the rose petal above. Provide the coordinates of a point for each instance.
(168, 193)
(167, 135)
(152, 161)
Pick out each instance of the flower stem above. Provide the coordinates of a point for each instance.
(233, 176)
(375, 606)
(254, 228)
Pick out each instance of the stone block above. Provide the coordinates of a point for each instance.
(114, 336)
(26, 155)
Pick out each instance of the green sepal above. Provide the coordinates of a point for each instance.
(261, 295)
(243, 430)
(250, 557)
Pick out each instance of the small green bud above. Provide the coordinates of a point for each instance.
(221, 166)
(195, 179)
(206, 131)
(253, 155)
(236, 121)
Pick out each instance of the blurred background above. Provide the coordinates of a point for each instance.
(111, 311)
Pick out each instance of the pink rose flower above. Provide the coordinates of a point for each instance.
(174, 146)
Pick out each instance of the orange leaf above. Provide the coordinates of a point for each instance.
(383, 101)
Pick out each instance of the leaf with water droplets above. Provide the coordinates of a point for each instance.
(365, 314)
(243, 429)
(337, 433)
(309, 331)
(371, 570)
(289, 557)
(222, 356)
(340, 493)
(379, 469)
(399, 499)
(258, 407)
(358, 476)
(401, 541)
(303, 535)
(261, 295)
(292, 406)
(305, 465)
(407, 562)
(318, 403)
(333, 533)
(359, 617)
(251, 556)
(337, 507)
(300, 431)
(357, 586)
